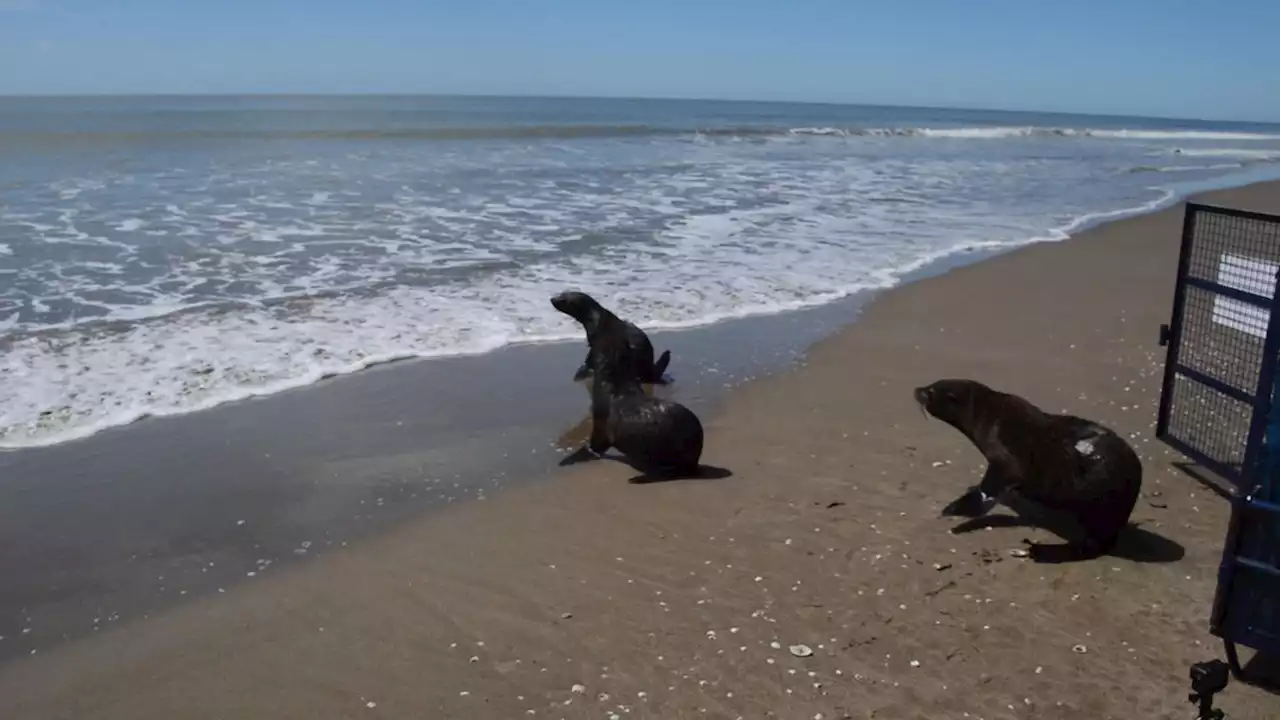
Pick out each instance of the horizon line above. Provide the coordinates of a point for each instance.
(740, 101)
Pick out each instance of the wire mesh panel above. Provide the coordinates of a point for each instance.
(1218, 338)
(1218, 406)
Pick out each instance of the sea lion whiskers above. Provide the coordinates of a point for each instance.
(921, 400)
(954, 402)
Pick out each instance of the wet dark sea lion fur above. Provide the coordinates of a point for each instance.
(599, 322)
(1064, 464)
(659, 437)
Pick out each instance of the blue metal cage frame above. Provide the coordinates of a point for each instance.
(1217, 408)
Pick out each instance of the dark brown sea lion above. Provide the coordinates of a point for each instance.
(659, 437)
(599, 322)
(1064, 464)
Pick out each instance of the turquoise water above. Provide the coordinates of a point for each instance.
(160, 255)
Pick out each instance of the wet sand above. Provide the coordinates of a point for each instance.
(133, 521)
(586, 596)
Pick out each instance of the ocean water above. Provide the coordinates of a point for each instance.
(162, 255)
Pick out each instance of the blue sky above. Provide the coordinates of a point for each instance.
(1123, 56)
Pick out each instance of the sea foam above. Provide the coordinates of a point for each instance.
(185, 286)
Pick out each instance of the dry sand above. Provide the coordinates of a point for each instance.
(588, 597)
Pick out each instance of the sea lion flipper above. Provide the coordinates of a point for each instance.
(599, 442)
(588, 365)
(1062, 552)
(581, 454)
(979, 499)
(973, 503)
(660, 367)
(1002, 474)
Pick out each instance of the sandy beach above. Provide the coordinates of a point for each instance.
(581, 595)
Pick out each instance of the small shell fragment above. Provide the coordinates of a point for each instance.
(580, 689)
(801, 650)
(1019, 552)
(1080, 649)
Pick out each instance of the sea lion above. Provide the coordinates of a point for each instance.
(659, 437)
(599, 322)
(1062, 463)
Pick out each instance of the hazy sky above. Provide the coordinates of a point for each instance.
(1156, 57)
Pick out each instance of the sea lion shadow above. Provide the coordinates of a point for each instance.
(647, 475)
(704, 472)
(1135, 543)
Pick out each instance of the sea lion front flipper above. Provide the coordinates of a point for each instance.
(1001, 476)
(973, 503)
(1051, 554)
(1063, 552)
(599, 442)
(978, 500)
(588, 365)
(582, 454)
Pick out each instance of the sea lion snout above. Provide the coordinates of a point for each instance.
(937, 398)
(951, 400)
(561, 301)
(922, 395)
(577, 305)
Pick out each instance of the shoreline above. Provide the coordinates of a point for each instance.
(923, 267)
(584, 514)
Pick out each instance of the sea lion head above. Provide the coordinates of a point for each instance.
(953, 401)
(577, 305)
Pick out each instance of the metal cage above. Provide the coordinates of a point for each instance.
(1216, 404)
